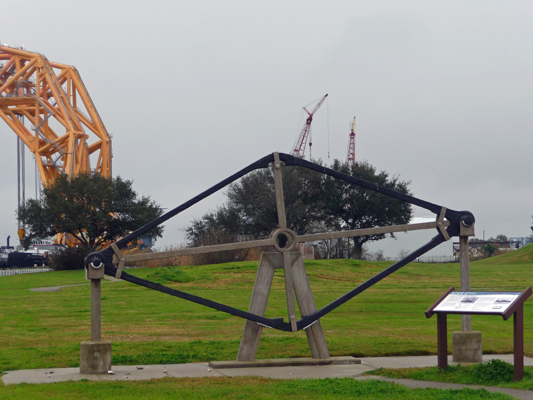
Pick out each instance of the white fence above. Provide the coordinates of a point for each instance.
(21, 271)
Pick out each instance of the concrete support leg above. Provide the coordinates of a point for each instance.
(258, 303)
(306, 303)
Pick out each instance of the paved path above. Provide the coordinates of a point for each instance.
(58, 288)
(145, 372)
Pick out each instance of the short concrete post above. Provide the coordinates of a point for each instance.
(467, 347)
(95, 356)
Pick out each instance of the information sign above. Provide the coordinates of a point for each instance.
(480, 303)
(477, 302)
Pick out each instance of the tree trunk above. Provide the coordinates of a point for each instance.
(357, 247)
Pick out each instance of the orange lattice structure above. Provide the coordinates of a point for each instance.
(67, 133)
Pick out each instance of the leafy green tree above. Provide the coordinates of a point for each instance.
(499, 238)
(253, 199)
(349, 207)
(216, 227)
(313, 203)
(92, 208)
(489, 249)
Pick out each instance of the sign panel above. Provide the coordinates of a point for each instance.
(478, 302)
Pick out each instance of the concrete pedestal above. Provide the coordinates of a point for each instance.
(95, 357)
(467, 347)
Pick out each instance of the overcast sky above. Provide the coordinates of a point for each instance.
(193, 91)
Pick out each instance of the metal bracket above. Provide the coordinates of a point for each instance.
(466, 230)
(440, 224)
(121, 260)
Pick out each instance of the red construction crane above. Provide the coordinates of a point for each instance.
(351, 146)
(299, 146)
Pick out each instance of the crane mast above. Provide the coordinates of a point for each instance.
(301, 142)
(351, 146)
(66, 129)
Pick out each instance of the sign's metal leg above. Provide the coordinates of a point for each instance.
(518, 325)
(442, 340)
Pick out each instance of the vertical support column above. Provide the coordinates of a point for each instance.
(282, 223)
(518, 339)
(467, 344)
(464, 258)
(96, 310)
(95, 356)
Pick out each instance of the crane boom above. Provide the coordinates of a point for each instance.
(67, 130)
(351, 145)
(301, 142)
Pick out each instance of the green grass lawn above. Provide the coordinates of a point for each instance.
(237, 388)
(492, 373)
(44, 329)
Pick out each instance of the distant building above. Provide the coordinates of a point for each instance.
(475, 248)
(308, 253)
(519, 242)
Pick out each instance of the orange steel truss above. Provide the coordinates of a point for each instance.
(67, 132)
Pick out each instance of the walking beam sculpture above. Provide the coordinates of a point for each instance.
(448, 223)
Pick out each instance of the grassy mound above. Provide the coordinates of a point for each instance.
(520, 256)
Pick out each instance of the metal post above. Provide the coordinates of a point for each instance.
(18, 176)
(464, 256)
(23, 161)
(442, 340)
(96, 313)
(518, 339)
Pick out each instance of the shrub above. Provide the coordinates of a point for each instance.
(69, 258)
(493, 372)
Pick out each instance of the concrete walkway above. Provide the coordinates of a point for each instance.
(276, 370)
(58, 288)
